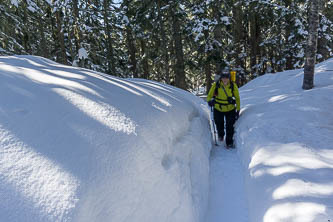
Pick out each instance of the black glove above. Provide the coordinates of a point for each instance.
(211, 102)
(237, 115)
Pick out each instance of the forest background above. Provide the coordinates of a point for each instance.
(179, 42)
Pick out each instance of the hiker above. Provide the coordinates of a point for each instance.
(223, 96)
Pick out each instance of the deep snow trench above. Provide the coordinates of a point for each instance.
(227, 198)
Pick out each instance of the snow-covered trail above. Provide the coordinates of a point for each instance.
(227, 199)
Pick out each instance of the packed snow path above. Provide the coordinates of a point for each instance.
(227, 199)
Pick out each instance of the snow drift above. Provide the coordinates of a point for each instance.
(284, 139)
(76, 145)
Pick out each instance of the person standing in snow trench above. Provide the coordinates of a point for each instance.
(224, 97)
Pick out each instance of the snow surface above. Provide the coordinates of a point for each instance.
(77, 145)
(284, 141)
(227, 201)
(284, 146)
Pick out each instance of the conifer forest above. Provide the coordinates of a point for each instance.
(179, 42)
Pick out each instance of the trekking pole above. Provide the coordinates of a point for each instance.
(213, 122)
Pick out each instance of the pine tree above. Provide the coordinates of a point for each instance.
(183, 43)
(325, 32)
(11, 26)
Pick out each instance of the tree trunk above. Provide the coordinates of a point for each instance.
(278, 53)
(288, 31)
(63, 57)
(254, 39)
(130, 41)
(132, 52)
(208, 70)
(164, 44)
(144, 57)
(43, 48)
(218, 52)
(109, 50)
(26, 34)
(77, 34)
(238, 37)
(179, 66)
(312, 45)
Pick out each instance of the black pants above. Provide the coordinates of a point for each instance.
(230, 118)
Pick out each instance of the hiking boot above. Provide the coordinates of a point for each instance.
(230, 146)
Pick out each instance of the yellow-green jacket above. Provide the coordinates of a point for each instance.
(221, 98)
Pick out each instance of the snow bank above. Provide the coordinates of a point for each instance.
(76, 145)
(284, 138)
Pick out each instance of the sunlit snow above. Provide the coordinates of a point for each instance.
(78, 145)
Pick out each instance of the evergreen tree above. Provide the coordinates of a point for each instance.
(184, 43)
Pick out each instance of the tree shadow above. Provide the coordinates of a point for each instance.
(293, 176)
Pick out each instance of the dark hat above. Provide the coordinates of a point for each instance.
(225, 74)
